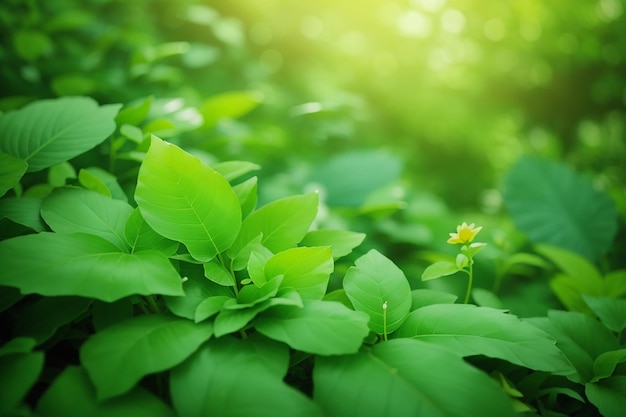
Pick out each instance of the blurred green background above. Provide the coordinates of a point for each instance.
(405, 115)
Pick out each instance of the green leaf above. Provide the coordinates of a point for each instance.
(247, 194)
(307, 270)
(185, 200)
(132, 132)
(93, 183)
(406, 378)
(241, 258)
(140, 236)
(605, 363)
(552, 204)
(580, 337)
(197, 288)
(137, 347)
(11, 171)
(18, 374)
(217, 273)
(47, 132)
(439, 269)
(283, 223)
(101, 181)
(320, 327)
(469, 330)
(250, 295)
(609, 395)
(231, 170)
(72, 395)
(84, 265)
(373, 281)
(424, 297)
(209, 307)
(32, 44)
(230, 105)
(24, 211)
(571, 264)
(256, 267)
(341, 241)
(232, 320)
(76, 210)
(238, 378)
(18, 345)
(610, 311)
(135, 113)
(615, 283)
(73, 85)
(485, 298)
(60, 173)
(41, 319)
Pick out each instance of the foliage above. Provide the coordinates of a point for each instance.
(226, 209)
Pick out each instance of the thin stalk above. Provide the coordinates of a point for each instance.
(470, 274)
(385, 321)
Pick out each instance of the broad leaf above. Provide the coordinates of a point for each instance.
(24, 211)
(604, 364)
(374, 281)
(469, 330)
(305, 269)
(609, 395)
(406, 378)
(228, 377)
(47, 132)
(41, 319)
(140, 236)
(187, 201)
(341, 241)
(11, 171)
(321, 327)
(120, 355)
(580, 337)
(84, 265)
(553, 204)
(283, 223)
(76, 210)
(72, 395)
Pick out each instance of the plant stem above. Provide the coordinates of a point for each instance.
(470, 274)
(152, 303)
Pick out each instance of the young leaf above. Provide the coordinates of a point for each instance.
(373, 281)
(439, 269)
(341, 241)
(469, 330)
(320, 327)
(11, 171)
(238, 378)
(47, 132)
(84, 265)
(405, 377)
(76, 210)
(305, 269)
(73, 395)
(283, 223)
(555, 205)
(120, 355)
(185, 200)
(218, 274)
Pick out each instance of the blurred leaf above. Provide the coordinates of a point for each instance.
(84, 265)
(73, 85)
(341, 241)
(211, 381)
(31, 44)
(554, 205)
(609, 395)
(247, 194)
(11, 171)
(320, 327)
(19, 372)
(72, 394)
(605, 363)
(231, 105)
(424, 297)
(232, 170)
(138, 347)
(47, 132)
(610, 311)
(469, 330)
(485, 298)
(60, 173)
(374, 281)
(76, 210)
(405, 378)
(134, 114)
(185, 200)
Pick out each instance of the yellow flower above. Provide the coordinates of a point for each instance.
(464, 233)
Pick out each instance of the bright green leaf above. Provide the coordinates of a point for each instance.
(84, 265)
(406, 378)
(231, 105)
(117, 357)
(72, 395)
(209, 307)
(247, 194)
(231, 170)
(59, 174)
(373, 281)
(185, 200)
(605, 363)
(320, 327)
(423, 297)
(140, 236)
(47, 132)
(307, 270)
(439, 269)
(341, 241)
(135, 113)
(217, 273)
(101, 181)
(76, 210)
(469, 330)
(132, 132)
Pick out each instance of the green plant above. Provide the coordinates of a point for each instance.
(154, 285)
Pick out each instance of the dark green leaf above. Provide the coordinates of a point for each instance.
(11, 171)
(18, 373)
(610, 311)
(609, 395)
(24, 211)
